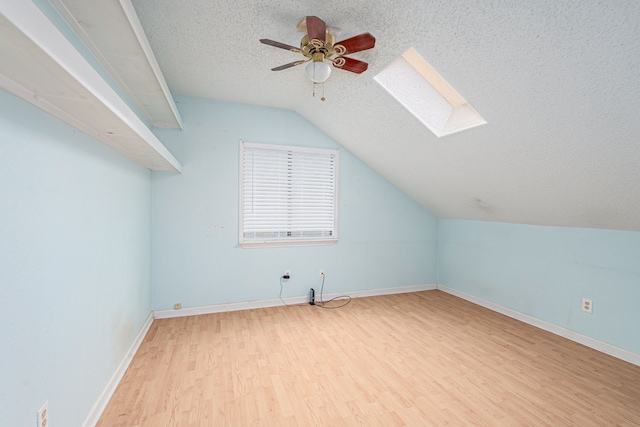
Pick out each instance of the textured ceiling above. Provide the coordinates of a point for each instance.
(557, 82)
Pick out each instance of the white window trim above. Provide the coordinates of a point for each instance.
(293, 242)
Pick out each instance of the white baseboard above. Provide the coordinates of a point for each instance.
(220, 308)
(603, 347)
(103, 400)
(385, 291)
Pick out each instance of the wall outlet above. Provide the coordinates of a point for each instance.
(587, 305)
(288, 274)
(321, 274)
(43, 415)
(177, 306)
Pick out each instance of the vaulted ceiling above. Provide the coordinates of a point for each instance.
(557, 82)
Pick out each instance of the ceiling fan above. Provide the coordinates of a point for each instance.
(319, 48)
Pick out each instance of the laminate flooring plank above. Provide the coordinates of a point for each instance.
(418, 359)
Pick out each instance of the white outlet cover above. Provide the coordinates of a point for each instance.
(587, 305)
(43, 415)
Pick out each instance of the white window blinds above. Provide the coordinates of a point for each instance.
(287, 195)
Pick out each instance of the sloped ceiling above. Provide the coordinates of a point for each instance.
(557, 82)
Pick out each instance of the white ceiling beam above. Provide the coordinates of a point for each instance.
(125, 54)
(42, 67)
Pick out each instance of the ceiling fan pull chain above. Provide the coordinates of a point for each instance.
(314, 91)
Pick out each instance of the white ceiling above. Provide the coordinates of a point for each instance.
(557, 82)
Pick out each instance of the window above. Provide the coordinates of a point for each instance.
(288, 195)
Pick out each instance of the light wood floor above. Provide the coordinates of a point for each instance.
(419, 359)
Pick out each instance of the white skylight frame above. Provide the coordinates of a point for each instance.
(414, 83)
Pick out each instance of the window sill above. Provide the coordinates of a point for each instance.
(285, 244)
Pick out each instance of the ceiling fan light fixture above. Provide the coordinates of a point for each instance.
(318, 71)
(320, 50)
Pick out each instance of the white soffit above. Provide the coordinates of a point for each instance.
(43, 68)
(125, 53)
(427, 95)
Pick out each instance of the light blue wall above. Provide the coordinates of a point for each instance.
(386, 238)
(545, 272)
(74, 265)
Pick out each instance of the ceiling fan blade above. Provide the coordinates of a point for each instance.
(289, 65)
(350, 64)
(280, 45)
(358, 43)
(316, 28)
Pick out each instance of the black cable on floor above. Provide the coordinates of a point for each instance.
(322, 303)
(281, 279)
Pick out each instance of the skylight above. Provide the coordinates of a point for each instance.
(427, 95)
